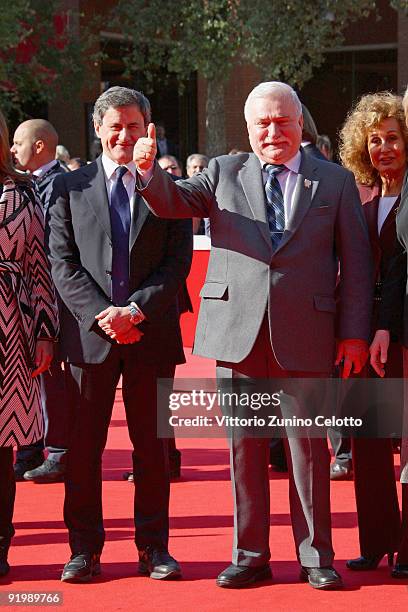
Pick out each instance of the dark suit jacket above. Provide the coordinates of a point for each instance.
(393, 312)
(172, 149)
(383, 247)
(80, 251)
(44, 185)
(296, 284)
(311, 150)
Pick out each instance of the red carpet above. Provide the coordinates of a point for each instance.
(201, 533)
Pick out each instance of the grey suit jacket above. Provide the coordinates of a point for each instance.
(80, 252)
(296, 284)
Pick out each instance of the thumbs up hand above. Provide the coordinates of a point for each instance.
(145, 149)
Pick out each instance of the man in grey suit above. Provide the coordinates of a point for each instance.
(280, 225)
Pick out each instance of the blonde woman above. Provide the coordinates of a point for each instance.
(373, 145)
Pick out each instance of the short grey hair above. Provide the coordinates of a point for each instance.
(269, 88)
(199, 156)
(121, 96)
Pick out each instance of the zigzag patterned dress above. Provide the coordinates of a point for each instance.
(27, 312)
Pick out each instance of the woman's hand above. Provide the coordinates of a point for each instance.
(44, 352)
(379, 351)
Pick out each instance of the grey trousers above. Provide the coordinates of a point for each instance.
(309, 477)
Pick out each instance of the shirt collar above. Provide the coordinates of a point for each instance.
(110, 166)
(43, 169)
(293, 164)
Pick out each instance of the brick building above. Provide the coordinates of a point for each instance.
(373, 57)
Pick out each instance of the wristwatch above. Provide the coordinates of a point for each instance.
(136, 315)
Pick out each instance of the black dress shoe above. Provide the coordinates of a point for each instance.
(81, 568)
(400, 571)
(21, 467)
(158, 564)
(239, 577)
(4, 566)
(321, 577)
(49, 471)
(340, 472)
(363, 564)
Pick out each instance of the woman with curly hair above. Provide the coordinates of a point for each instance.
(373, 145)
(28, 326)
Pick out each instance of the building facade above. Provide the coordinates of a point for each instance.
(374, 56)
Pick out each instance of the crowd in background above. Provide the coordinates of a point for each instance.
(44, 189)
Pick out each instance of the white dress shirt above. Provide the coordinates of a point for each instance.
(129, 179)
(384, 206)
(287, 181)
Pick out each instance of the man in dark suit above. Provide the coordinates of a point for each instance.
(33, 150)
(118, 270)
(280, 221)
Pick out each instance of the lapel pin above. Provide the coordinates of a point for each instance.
(307, 184)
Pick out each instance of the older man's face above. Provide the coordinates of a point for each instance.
(121, 128)
(274, 128)
(196, 165)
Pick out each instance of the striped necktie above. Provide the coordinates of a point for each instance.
(275, 209)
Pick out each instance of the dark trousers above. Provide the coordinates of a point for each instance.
(376, 496)
(375, 486)
(92, 391)
(403, 545)
(309, 484)
(7, 496)
(55, 408)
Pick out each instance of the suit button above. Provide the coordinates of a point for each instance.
(109, 272)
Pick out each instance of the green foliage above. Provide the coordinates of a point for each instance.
(285, 39)
(400, 5)
(180, 37)
(11, 30)
(38, 54)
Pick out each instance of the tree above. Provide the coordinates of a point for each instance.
(400, 5)
(39, 54)
(285, 40)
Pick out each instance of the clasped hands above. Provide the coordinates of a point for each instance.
(115, 322)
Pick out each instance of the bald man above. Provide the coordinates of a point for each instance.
(33, 150)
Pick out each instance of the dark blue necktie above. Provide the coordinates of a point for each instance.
(275, 209)
(120, 228)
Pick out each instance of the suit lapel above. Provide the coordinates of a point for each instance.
(404, 193)
(96, 195)
(139, 216)
(252, 184)
(306, 187)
